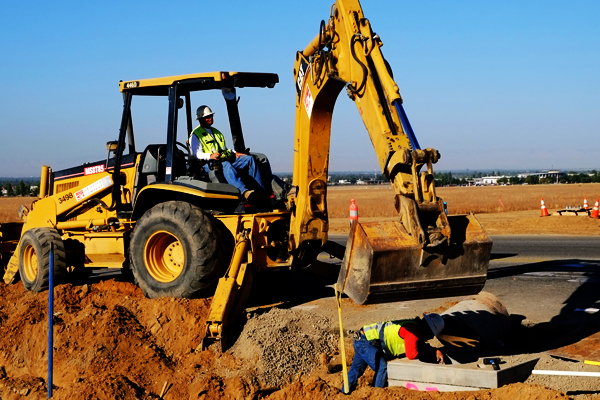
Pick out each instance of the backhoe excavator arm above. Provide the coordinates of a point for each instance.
(418, 256)
(347, 54)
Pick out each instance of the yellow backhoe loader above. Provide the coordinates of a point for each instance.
(180, 230)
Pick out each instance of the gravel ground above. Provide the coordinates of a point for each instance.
(284, 343)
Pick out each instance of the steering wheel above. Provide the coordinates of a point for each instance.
(186, 151)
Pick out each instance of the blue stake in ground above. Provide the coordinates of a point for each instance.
(50, 319)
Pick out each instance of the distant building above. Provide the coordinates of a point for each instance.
(491, 180)
(550, 174)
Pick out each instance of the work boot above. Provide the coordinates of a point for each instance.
(249, 195)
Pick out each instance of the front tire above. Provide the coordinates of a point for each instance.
(176, 251)
(34, 257)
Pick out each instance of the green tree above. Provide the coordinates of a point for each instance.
(9, 189)
(21, 189)
(532, 179)
(503, 180)
(514, 180)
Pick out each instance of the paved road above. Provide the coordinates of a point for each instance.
(512, 250)
(540, 277)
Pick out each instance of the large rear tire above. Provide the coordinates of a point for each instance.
(176, 251)
(34, 257)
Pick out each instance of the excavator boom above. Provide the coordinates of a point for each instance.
(422, 254)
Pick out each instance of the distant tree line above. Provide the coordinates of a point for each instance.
(351, 177)
(447, 178)
(21, 188)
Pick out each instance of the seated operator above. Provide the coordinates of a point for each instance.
(402, 337)
(207, 143)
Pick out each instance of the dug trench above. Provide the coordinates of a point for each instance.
(113, 343)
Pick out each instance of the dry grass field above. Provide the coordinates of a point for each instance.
(501, 209)
(9, 207)
(378, 201)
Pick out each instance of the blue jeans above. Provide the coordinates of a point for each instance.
(245, 164)
(366, 354)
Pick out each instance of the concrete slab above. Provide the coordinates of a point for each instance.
(412, 371)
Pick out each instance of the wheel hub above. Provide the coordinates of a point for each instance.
(30, 263)
(164, 256)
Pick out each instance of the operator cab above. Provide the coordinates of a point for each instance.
(171, 162)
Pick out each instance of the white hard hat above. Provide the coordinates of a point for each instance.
(203, 111)
(435, 322)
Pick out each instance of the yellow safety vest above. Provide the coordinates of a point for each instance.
(391, 344)
(210, 144)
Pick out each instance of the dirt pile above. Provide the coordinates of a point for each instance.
(108, 338)
(113, 343)
(284, 343)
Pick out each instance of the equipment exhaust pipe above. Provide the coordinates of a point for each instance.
(44, 181)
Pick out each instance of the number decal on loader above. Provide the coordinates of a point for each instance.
(66, 197)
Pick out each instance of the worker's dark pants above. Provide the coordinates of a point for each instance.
(367, 354)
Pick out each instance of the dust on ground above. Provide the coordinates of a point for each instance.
(113, 343)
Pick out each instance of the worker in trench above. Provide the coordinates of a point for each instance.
(376, 344)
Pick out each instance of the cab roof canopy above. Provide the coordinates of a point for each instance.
(200, 81)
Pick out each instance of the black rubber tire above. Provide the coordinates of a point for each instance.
(203, 250)
(36, 242)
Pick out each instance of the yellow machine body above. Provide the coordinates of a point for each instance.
(112, 213)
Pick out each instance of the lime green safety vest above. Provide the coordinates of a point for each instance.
(391, 342)
(210, 145)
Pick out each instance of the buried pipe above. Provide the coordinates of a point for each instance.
(482, 317)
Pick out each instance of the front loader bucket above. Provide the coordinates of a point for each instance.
(384, 263)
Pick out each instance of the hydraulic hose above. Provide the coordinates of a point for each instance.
(352, 88)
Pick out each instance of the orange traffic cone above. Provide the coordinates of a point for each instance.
(353, 211)
(585, 204)
(595, 210)
(544, 210)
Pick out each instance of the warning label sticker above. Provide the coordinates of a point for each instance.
(307, 99)
(93, 188)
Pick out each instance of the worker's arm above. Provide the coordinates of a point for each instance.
(411, 334)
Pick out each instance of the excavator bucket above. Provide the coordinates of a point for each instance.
(384, 263)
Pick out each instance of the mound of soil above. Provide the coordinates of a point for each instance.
(110, 342)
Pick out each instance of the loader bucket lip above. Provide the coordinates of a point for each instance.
(384, 263)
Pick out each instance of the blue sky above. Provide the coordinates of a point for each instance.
(491, 85)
